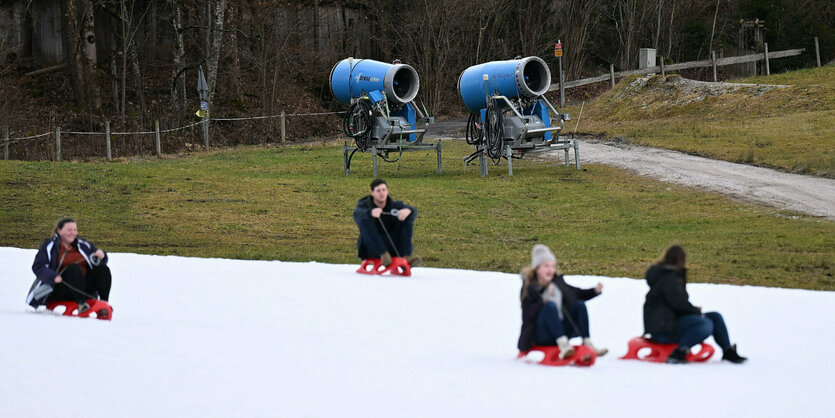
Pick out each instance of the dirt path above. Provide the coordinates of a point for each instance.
(805, 194)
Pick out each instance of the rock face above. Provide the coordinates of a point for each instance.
(680, 91)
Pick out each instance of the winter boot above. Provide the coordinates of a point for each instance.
(730, 354)
(385, 258)
(414, 260)
(566, 350)
(678, 356)
(102, 314)
(83, 307)
(598, 351)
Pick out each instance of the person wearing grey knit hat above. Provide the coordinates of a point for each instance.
(552, 310)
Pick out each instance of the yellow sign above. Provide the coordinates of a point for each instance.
(558, 52)
(202, 113)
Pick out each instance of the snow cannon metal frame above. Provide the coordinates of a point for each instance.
(510, 116)
(382, 115)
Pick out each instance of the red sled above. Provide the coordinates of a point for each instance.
(398, 267)
(643, 349)
(71, 308)
(583, 356)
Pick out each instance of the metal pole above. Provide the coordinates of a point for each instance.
(57, 143)
(438, 149)
(159, 148)
(345, 157)
(661, 63)
(577, 153)
(612, 74)
(817, 52)
(509, 154)
(767, 68)
(374, 160)
(283, 125)
(562, 86)
(107, 139)
(482, 161)
(713, 62)
(206, 131)
(565, 151)
(5, 142)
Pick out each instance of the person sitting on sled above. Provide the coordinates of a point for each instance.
(385, 226)
(552, 310)
(69, 268)
(669, 317)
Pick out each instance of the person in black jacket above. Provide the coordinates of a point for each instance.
(552, 310)
(385, 226)
(69, 268)
(670, 317)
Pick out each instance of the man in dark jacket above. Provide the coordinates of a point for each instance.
(670, 317)
(385, 226)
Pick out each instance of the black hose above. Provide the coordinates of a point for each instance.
(494, 132)
(475, 130)
(357, 123)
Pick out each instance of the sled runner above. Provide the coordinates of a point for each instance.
(399, 267)
(96, 307)
(658, 353)
(583, 356)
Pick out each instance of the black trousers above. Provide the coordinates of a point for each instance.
(96, 283)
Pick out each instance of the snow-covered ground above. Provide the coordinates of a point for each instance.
(213, 337)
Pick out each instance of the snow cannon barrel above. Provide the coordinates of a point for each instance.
(352, 78)
(527, 77)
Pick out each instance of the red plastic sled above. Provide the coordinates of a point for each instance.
(399, 267)
(71, 308)
(583, 356)
(658, 353)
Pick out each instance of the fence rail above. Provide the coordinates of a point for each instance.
(662, 68)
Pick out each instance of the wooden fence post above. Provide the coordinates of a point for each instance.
(283, 127)
(661, 63)
(817, 52)
(713, 62)
(57, 143)
(767, 69)
(5, 142)
(612, 74)
(107, 139)
(156, 127)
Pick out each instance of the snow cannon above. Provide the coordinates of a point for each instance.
(382, 114)
(510, 115)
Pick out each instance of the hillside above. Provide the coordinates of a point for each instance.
(785, 121)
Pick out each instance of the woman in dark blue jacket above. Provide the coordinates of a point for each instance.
(69, 268)
(670, 317)
(552, 310)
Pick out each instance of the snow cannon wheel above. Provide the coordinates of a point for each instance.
(71, 308)
(643, 349)
(398, 267)
(583, 356)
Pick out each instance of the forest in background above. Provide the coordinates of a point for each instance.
(78, 63)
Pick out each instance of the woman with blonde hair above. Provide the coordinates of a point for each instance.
(552, 310)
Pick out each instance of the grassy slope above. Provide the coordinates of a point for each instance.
(792, 129)
(294, 203)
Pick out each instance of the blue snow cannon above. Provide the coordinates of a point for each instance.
(510, 115)
(354, 78)
(382, 115)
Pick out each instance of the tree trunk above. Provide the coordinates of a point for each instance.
(177, 76)
(72, 51)
(216, 46)
(124, 59)
(234, 49)
(137, 74)
(91, 79)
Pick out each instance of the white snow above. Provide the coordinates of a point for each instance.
(215, 337)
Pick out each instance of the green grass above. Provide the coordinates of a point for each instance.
(294, 203)
(791, 129)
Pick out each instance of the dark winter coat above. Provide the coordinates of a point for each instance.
(45, 266)
(667, 300)
(363, 213)
(532, 303)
